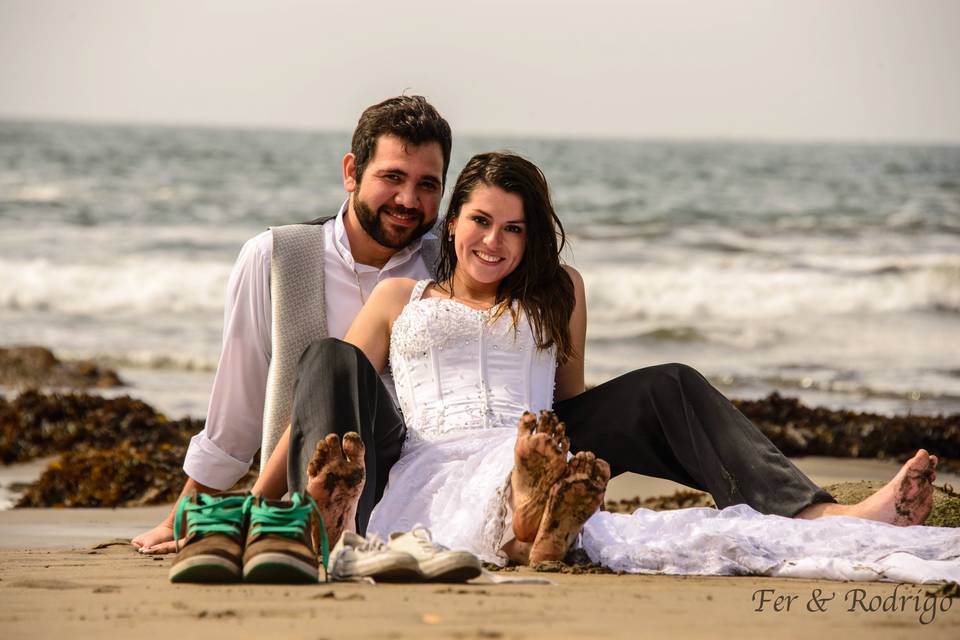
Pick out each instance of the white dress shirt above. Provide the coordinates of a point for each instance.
(223, 451)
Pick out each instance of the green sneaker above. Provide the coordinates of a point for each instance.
(284, 542)
(216, 525)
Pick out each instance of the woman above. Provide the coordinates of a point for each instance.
(500, 334)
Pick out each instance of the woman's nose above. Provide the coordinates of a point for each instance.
(492, 238)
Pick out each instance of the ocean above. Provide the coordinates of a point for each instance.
(826, 271)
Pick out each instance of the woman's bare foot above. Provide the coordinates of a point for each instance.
(572, 500)
(906, 500)
(540, 460)
(335, 478)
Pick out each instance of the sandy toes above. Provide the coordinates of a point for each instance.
(540, 460)
(572, 500)
(908, 498)
(335, 479)
(904, 501)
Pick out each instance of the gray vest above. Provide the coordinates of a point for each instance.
(299, 315)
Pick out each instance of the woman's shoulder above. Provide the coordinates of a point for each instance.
(393, 294)
(395, 288)
(576, 279)
(573, 273)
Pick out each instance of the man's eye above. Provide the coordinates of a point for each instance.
(430, 186)
(392, 177)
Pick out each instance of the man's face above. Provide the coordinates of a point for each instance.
(397, 199)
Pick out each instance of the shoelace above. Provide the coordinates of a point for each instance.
(211, 514)
(372, 543)
(425, 538)
(290, 521)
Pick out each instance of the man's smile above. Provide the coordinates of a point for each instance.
(406, 218)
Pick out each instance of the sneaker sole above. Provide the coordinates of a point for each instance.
(205, 569)
(380, 570)
(279, 568)
(452, 567)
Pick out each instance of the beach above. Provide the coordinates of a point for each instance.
(93, 593)
(825, 273)
(71, 573)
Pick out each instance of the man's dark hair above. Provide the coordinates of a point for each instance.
(409, 118)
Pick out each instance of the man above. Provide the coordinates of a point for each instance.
(394, 177)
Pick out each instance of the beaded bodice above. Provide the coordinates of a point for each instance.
(456, 369)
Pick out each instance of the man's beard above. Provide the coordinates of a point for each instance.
(373, 224)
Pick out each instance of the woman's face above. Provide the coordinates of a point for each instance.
(489, 235)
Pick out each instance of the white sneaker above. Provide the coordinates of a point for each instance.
(436, 562)
(357, 557)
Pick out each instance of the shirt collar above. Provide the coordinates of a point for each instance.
(342, 244)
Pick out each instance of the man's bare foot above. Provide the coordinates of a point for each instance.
(906, 500)
(572, 500)
(335, 478)
(540, 460)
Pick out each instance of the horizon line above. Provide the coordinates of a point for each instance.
(541, 135)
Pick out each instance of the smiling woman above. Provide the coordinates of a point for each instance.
(501, 208)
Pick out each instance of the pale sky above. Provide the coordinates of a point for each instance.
(860, 70)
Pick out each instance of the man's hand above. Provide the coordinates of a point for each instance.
(158, 540)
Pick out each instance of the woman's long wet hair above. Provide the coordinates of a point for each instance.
(539, 285)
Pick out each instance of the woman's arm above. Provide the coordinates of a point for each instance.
(370, 332)
(570, 375)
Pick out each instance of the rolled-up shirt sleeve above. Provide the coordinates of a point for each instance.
(223, 451)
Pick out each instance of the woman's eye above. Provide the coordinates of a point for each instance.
(479, 220)
(514, 228)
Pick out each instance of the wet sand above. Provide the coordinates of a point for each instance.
(114, 592)
(55, 584)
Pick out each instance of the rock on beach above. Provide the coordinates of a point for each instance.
(30, 366)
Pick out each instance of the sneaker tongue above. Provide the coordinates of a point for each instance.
(421, 533)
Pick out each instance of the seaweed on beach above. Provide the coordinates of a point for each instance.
(39, 424)
(114, 451)
(125, 475)
(121, 452)
(683, 499)
(798, 430)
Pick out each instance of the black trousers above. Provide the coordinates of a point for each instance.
(665, 421)
(337, 391)
(668, 422)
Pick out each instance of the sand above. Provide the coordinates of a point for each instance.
(114, 592)
(55, 584)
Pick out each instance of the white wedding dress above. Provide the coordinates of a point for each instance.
(463, 380)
